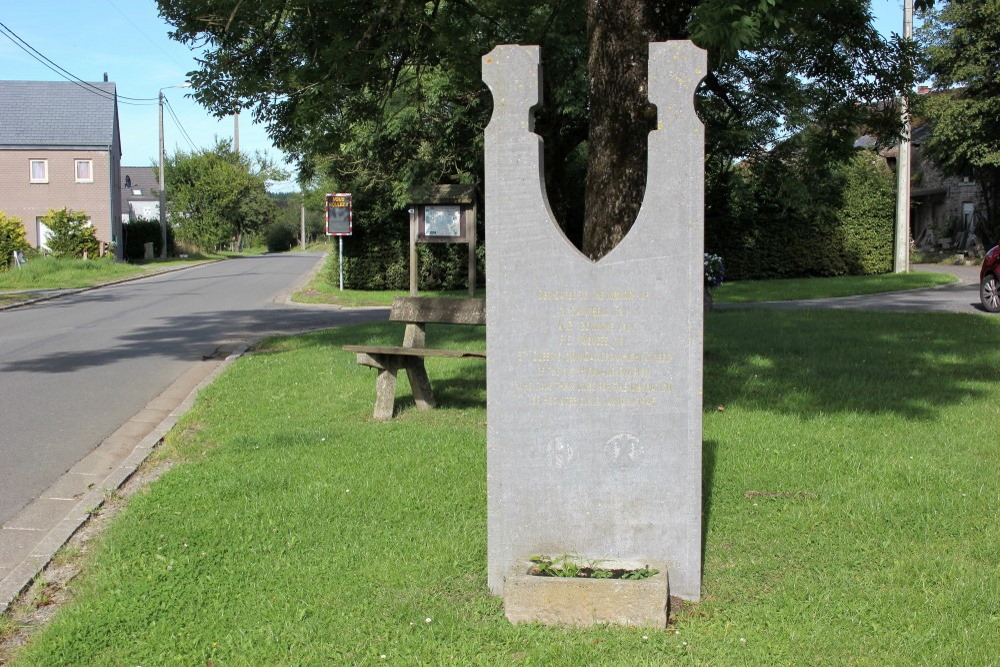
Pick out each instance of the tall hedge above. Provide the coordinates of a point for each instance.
(867, 214)
(138, 233)
(789, 215)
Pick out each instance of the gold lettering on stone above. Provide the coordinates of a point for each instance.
(595, 367)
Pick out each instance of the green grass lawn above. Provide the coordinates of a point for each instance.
(52, 273)
(850, 506)
(322, 290)
(792, 289)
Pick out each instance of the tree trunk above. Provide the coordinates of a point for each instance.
(621, 117)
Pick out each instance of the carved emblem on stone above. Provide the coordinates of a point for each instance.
(559, 453)
(623, 452)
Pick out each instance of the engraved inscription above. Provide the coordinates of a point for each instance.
(595, 366)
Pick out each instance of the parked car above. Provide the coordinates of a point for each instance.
(989, 280)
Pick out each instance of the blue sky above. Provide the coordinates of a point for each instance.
(128, 40)
(889, 16)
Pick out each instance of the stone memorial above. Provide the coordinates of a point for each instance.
(594, 373)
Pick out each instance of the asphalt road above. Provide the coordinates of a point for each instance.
(72, 370)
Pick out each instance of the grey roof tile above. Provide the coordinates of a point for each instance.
(57, 113)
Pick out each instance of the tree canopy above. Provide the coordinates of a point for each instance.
(216, 196)
(961, 41)
(386, 94)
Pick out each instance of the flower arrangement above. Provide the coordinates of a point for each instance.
(715, 270)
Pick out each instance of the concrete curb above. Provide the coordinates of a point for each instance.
(18, 579)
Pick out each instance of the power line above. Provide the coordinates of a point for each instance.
(141, 32)
(177, 122)
(66, 74)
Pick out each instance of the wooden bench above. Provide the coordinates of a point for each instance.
(417, 312)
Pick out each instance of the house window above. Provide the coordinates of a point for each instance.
(84, 171)
(39, 171)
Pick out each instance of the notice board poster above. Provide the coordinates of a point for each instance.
(443, 221)
(339, 214)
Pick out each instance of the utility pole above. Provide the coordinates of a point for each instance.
(163, 199)
(236, 132)
(901, 256)
(303, 219)
(163, 182)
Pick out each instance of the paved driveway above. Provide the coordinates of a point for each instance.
(959, 297)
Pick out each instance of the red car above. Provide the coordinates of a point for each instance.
(989, 280)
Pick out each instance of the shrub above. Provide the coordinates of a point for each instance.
(715, 270)
(280, 238)
(12, 238)
(72, 234)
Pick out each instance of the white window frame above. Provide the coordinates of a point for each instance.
(31, 171)
(42, 234)
(969, 215)
(76, 171)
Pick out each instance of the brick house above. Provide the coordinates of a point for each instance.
(60, 147)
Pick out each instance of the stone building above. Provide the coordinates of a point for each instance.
(944, 210)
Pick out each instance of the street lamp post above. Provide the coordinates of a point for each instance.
(163, 200)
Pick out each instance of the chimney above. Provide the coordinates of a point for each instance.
(105, 77)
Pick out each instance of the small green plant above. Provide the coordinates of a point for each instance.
(567, 566)
(111, 496)
(43, 592)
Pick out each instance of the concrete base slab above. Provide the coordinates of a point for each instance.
(150, 416)
(72, 485)
(107, 456)
(15, 545)
(42, 514)
(530, 598)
